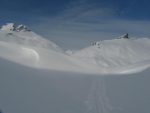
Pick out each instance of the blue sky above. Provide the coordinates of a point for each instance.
(79, 21)
(129, 9)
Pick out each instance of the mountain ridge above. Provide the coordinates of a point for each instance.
(107, 57)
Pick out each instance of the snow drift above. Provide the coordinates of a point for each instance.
(123, 55)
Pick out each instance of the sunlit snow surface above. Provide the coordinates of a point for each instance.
(117, 56)
(37, 76)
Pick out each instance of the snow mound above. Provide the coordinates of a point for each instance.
(19, 54)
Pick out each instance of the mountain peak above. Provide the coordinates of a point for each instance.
(126, 36)
(14, 27)
(8, 27)
(22, 28)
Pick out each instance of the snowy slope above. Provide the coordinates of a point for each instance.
(21, 45)
(28, 48)
(24, 37)
(117, 54)
(27, 90)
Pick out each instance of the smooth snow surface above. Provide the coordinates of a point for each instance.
(105, 57)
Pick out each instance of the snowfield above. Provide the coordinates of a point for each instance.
(23, 46)
(38, 76)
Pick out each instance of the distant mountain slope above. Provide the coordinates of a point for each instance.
(21, 35)
(116, 52)
(124, 55)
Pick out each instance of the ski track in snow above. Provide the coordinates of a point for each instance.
(98, 101)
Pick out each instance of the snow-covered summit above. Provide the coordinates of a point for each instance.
(8, 27)
(14, 27)
(126, 36)
(22, 28)
(21, 35)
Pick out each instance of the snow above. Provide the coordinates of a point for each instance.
(8, 27)
(13, 27)
(22, 28)
(115, 54)
(103, 57)
(31, 90)
(38, 76)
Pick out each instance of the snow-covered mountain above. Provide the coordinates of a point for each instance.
(38, 76)
(111, 54)
(122, 55)
(21, 35)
